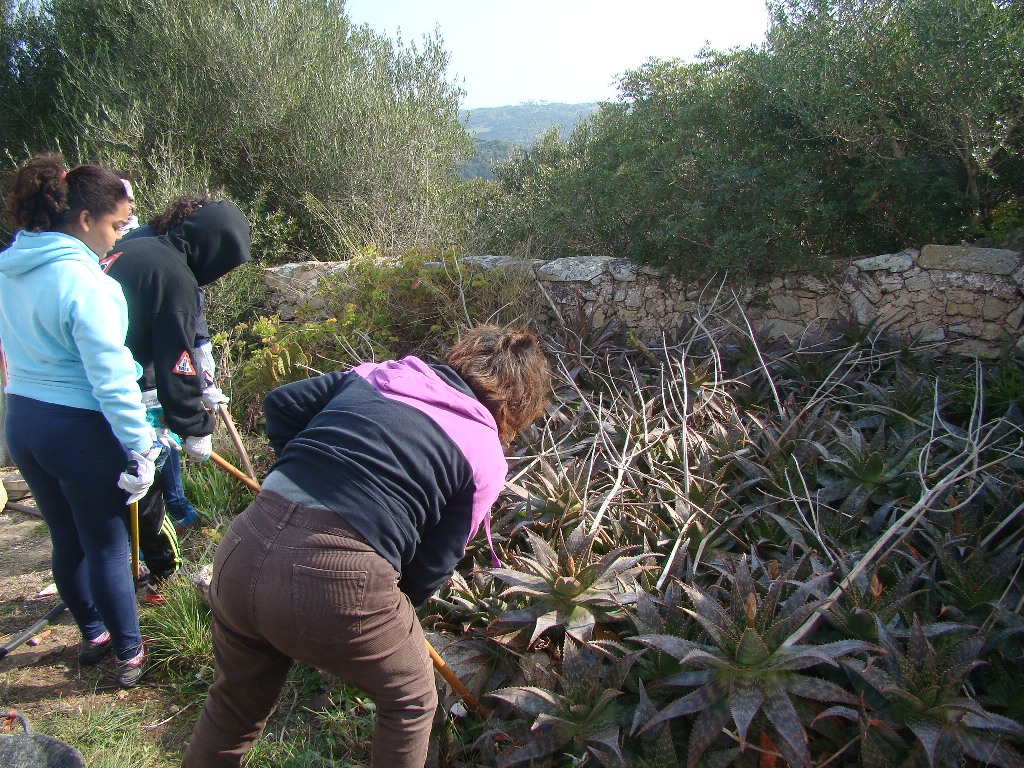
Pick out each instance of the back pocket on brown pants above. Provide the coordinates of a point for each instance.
(327, 605)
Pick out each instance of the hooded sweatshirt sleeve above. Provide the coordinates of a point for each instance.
(179, 380)
(98, 321)
(290, 408)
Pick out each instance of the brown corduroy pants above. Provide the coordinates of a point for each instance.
(294, 583)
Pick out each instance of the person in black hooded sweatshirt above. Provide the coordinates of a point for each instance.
(161, 277)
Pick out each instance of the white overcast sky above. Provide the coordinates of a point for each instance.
(568, 51)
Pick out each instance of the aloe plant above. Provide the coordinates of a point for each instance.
(919, 706)
(878, 467)
(570, 589)
(746, 673)
(870, 601)
(581, 720)
(468, 603)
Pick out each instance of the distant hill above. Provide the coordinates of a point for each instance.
(496, 130)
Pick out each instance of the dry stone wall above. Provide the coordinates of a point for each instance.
(966, 298)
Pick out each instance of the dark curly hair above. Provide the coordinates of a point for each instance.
(176, 212)
(44, 195)
(508, 372)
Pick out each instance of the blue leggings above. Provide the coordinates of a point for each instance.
(71, 460)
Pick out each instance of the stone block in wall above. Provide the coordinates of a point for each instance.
(1014, 319)
(954, 309)
(1018, 278)
(888, 283)
(826, 307)
(967, 258)
(815, 285)
(994, 309)
(978, 348)
(889, 262)
(927, 332)
(491, 261)
(869, 289)
(580, 269)
(787, 306)
(780, 328)
(993, 332)
(623, 270)
(918, 280)
(964, 329)
(863, 310)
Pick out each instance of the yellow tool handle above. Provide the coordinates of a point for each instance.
(133, 529)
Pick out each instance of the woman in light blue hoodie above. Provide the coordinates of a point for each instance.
(75, 423)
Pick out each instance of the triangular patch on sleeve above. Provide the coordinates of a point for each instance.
(107, 262)
(184, 365)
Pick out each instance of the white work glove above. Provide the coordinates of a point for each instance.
(213, 397)
(164, 436)
(198, 448)
(204, 356)
(138, 476)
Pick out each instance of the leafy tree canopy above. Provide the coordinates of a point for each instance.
(288, 102)
(861, 125)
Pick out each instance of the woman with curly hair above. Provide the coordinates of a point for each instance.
(383, 475)
(75, 416)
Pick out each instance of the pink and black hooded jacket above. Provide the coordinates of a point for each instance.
(402, 451)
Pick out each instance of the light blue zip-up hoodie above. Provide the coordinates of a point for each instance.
(62, 325)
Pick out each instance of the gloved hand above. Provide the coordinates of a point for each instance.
(164, 436)
(204, 356)
(198, 448)
(138, 476)
(213, 397)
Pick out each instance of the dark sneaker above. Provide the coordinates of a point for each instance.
(93, 653)
(128, 674)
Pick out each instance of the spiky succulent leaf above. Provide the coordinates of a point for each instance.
(607, 738)
(528, 699)
(687, 679)
(547, 742)
(698, 700)
(707, 727)
(674, 646)
(988, 750)
(543, 553)
(782, 714)
(743, 603)
(989, 721)
(815, 688)
(751, 651)
(745, 697)
(713, 618)
(524, 581)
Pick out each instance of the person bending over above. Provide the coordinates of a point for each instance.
(383, 475)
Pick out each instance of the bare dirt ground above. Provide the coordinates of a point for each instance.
(45, 681)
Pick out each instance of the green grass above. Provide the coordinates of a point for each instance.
(109, 735)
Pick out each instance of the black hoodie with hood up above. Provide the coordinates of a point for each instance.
(160, 277)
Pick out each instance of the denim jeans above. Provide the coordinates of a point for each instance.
(295, 583)
(71, 461)
(174, 492)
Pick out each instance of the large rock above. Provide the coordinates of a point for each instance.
(966, 258)
(581, 269)
(889, 262)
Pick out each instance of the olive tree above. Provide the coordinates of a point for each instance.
(893, 79)
(354, 135)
